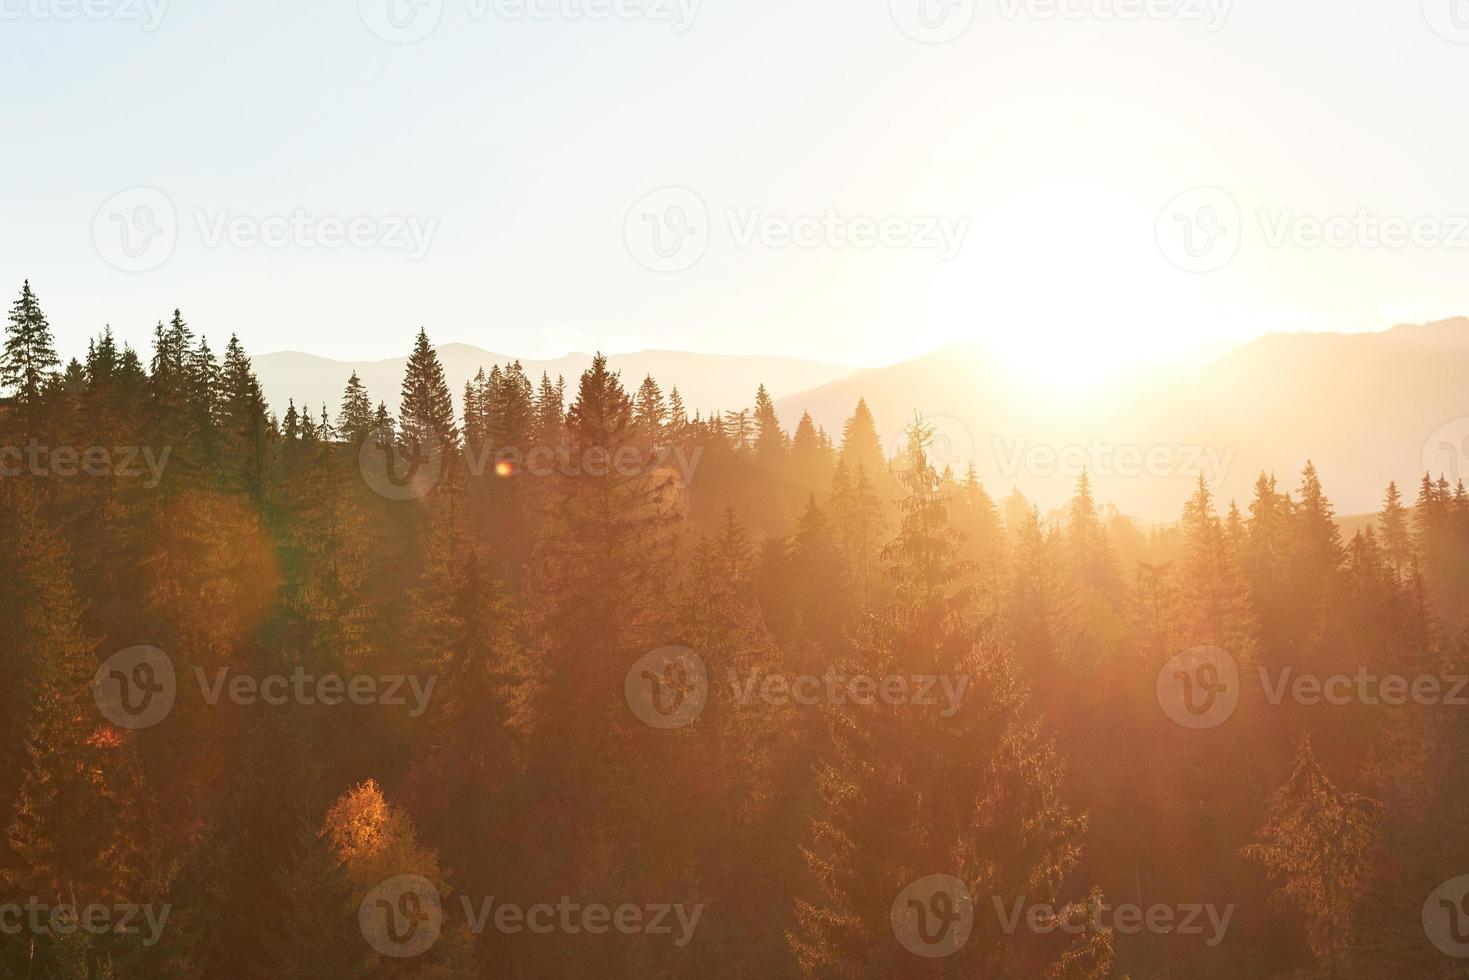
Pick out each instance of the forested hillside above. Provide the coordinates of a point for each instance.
(322, 690)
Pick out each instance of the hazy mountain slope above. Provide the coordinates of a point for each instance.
(706, 381)
(1362, 406)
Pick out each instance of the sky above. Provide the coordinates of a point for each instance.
(1079, 186)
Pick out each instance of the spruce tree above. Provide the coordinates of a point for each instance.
(29, 358)
(355, 421)
(1320, 843)
(896, 810)
(1397, 538)
(426, 410)
(1091, 557)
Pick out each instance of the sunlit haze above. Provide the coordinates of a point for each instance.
(522, 145)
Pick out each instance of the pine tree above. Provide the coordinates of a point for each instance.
(858, 516)
(476, 417)
(606, 547)
(678, 416)
(29, 359)
(1215, 605)
(812, 463)
(770, 440)
(1091, 557)
(895, 810)
(1321, 843)
(860, 444)
(650, 413)
(740, 428)
(1397, 539)
(355, 421)
(426, 410)
(819, 574)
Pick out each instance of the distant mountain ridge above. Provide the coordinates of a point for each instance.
(1363, 407)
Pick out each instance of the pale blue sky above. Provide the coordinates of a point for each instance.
(523, 144)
